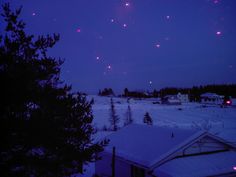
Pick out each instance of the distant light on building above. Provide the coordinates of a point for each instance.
(78, 30)
(234, 168)
(33, 14)
(124, 25)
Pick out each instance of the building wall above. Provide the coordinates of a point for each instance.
(183, 97)
(103, 167)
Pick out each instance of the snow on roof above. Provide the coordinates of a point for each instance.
(145, 145)
(210, 95)
(201, 165)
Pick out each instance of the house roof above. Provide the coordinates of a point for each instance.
(201, 165)
(146, 145)
(210, 95)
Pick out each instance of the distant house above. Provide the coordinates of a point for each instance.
(211, 98)
(150, 151)
(183, 97)
(171, 100)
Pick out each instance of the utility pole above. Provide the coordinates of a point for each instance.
(113, 161)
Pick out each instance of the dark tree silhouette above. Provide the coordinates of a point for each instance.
(106, 92)
(155, 93)
(126, 92)
(147, 119)
(128, 115)
(45, 129)
(114, 119)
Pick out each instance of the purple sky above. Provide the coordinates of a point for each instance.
(138, 44)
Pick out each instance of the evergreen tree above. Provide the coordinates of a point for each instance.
(147, 119)
(45, 129)
(155, 93)
(126, 92)
(106, 92)
(128, 115)
(114, 119)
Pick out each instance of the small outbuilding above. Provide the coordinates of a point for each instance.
(211, 98)
(171, 100)
(151, 151)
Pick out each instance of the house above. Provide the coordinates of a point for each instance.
(211, 98)
(171, 100)
(151, 151)
(183, 97)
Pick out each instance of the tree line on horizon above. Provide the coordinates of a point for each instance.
(193, 92)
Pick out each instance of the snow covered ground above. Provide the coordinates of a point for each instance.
(222, 121)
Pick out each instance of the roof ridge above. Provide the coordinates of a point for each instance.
(185, 143)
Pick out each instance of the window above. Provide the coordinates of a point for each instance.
(137, 172)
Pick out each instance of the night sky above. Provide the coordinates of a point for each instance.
(138, 44)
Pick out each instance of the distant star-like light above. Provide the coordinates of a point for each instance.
(127, 4)
(97, 58)
(150, 82)
(158, 45)
(109, 67)
(234, 168)
(112, 20)
(218, 33)
(33, 14)
(78, 30)
(167, 17)
(124, 25)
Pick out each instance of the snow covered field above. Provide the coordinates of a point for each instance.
(222, 121)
